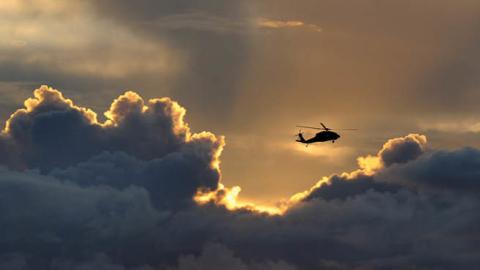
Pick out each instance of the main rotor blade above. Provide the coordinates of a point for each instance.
(310, 127)
(328, 128)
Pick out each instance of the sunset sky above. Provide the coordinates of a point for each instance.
(168, 113)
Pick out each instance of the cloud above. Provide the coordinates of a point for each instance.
(441, 170)
(210, 37)
(200, 21)
(218, 257)
(230, 199)
(279, 24)
(33, 30)
(398, 150)
(148, 140)
(394, 151)
(80, 193)
(459, 126)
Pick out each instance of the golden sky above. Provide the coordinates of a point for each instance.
(156, 134)
(253, 70)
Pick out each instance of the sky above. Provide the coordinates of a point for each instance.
(161, 134)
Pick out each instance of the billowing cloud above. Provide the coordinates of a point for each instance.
(140, 190)
(395, 151)
(141, 141)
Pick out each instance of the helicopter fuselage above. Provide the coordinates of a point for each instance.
(322, 136)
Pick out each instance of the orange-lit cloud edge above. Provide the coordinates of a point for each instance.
(227, 197)
(279, 24)
(367, 165)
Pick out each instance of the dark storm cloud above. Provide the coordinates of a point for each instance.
(118, 195)
(389, 212)
(53, 217)
(443, 170)
(339, 187)
(393, 153)
(171, 180)
(216, 256)
(401, 150)
(142, 143)
(405, 163)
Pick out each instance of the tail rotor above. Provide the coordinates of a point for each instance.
(300, 137)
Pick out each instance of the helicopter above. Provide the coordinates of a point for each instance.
(323, 136)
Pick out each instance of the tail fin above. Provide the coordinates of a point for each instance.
(300, 138)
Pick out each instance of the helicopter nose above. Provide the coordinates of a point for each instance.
(338, 136)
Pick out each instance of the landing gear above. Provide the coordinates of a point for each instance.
(333, 141)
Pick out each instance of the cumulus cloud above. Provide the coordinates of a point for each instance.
(140, 190)
(394, 151)
(401, 150)
(146, 141)
(441, 170)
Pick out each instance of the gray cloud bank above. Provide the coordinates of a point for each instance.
(76, 193)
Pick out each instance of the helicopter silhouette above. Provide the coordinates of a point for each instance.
(323, 136)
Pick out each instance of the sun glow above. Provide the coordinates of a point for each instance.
(229, 198)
